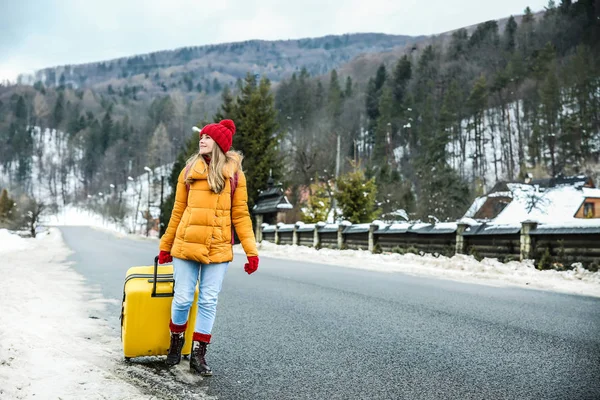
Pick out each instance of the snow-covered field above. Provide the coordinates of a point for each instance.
(52, 344)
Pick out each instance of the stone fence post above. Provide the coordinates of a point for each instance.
(276, 233)
(259, 228)
(372, 229)
(317, 236)
(461, 244)
(527, 243)
(295, 235)
(340, 236)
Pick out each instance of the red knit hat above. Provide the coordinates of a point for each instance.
(222, 133)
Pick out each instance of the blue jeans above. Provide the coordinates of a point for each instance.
(186, 274)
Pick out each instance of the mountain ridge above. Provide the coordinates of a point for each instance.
(225, 62)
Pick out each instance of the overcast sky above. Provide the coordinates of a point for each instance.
(43, 33)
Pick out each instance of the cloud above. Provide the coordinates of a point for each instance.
(43, 33)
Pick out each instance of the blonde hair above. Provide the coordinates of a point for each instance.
(218, 160)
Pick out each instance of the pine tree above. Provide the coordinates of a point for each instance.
(515, 71)
(58, 114)
(318, 205)
(383, 143)
(334, 100)
(477, 103)
(257, 135)
(319, 96)
(393, 193)
(510, 34)
(356, 197)
(228, 108)
(528, 16)
(348, 89)
(401, 77)
(458, 45)
(374, 88)
(451, 117)
(6, 207)
(380, 77)
(216, 85)
(550, 108)
(106, 131)
(92, 156)
(442, 194)
(162, 110)
(61, 82)
(372, 102)
(584, 100)
(160, 147)
(22, 141)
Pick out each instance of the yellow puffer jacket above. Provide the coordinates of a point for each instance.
(200, 224)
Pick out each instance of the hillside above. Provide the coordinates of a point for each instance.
(365, 65)
(208, 68)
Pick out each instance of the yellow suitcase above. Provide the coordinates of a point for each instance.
(146, 312)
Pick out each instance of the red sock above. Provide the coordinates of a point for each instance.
(177, 328)
(202, 337)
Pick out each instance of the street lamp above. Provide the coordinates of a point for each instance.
(148, 216)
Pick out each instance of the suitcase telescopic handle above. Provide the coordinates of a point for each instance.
(154, 294)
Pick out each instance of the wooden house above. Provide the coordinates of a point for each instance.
(547, 201)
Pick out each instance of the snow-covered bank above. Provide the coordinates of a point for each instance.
(459, 267)
(52, 344)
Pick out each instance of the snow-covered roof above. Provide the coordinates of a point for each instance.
(555, 205)
(477, 203)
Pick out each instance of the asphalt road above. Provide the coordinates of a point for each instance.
(298, 330)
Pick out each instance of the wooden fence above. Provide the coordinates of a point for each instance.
(549, 246)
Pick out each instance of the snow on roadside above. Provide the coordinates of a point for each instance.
(12, 242)
(459, 267)
(51, 343)
(75, 216)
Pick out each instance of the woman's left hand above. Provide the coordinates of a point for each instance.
(252, 265)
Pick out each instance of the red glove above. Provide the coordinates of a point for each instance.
(164, 257)
(252, 265)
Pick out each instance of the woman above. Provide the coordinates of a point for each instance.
(198, 239)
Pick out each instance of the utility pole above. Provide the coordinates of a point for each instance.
(337, 175)
(162, 189)
(148, 216)
(337, 158)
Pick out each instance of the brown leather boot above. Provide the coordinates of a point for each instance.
(197, 358)
(174, 355)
